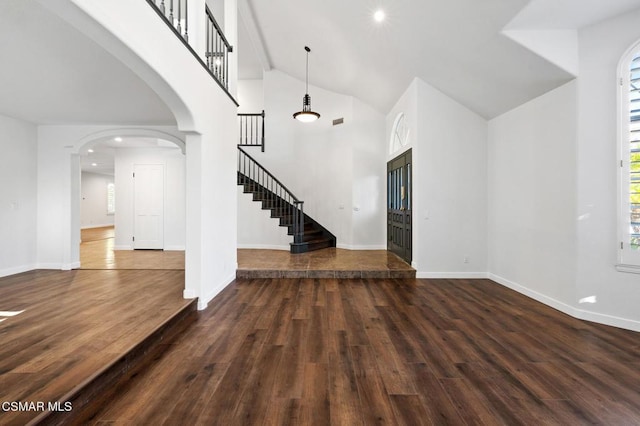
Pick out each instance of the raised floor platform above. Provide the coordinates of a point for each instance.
(325, 263)
(68, 337)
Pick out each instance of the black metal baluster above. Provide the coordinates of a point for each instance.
(207, 53)
(179, 25)
(226, 66)
(186, 20)
(262, 137)
(251, 118)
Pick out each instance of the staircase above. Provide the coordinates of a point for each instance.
(308, 235)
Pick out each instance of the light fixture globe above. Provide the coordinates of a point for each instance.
(306, 115)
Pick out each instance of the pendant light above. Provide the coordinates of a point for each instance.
(306, 115)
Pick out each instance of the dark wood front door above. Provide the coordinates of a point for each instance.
(399, 204)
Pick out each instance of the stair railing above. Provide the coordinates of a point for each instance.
(251, 129)
(250, 172)
(218, 49)
(175, 12)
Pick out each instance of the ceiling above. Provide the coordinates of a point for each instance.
(54, 74)
(99, 157)
(456, 46)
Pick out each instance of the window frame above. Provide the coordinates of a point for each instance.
(628, 258)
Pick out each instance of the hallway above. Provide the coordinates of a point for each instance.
(96, 252)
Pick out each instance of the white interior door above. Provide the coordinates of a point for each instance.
(148, 227)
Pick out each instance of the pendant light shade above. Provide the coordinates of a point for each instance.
(306, 115)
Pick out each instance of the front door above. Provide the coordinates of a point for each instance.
(399, 206)
(148, 206)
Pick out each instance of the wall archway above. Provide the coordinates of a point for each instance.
(94, 138)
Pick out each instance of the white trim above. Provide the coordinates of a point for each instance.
(625, 256)
(17, 270)
(123, 247)
(357, 247)
(96, 226)
(70, 266)
(49, 266)
(204, 301)
(581, 314)
(605, 319)
(549, 301)
(451, 275)
(189, 294)
(263, 247)
(174, 248)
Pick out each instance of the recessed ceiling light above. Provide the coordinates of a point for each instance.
(117, 139)
(89, 150)
(94, 164)
(379, 15)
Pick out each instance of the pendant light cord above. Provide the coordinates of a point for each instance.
(307, 80)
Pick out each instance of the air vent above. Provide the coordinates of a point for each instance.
(338, 121)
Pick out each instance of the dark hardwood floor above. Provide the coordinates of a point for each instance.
(409, 352)
(72, 325)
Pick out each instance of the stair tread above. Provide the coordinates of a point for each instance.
(313, 235)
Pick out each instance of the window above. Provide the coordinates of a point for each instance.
(399, 134)
(111, 198)
(630, 163)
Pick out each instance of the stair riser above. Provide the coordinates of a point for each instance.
(313, 232)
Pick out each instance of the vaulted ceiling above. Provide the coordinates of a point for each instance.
(457, 45)
(54, 74)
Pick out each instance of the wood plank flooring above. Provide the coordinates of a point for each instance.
(73, 324)
(405, 352)
(97, 252)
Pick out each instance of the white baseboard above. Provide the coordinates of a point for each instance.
(16, 270)
(568, 309)
(123, 247)
(451, 275)
(96, 226)
(263, 247)
(358, 247)
(56, 266)
(188, 294)
(174, 248)
(203, 302)
(70, 266)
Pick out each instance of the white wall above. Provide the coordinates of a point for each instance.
(256, 228)
(250, 96)
(173, 162)
(618, 293)
(204, 113)
(58, 229)
(93, 200)
(18, 196)
(449, 144)
(337, 170)
(532, 181)
(566, 250)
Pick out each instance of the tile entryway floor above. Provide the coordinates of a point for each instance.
(325, 263)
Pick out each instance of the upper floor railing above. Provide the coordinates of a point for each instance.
(176, 13)
(251, 129)
(217, 48)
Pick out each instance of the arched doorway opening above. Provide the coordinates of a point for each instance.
(129, 195)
